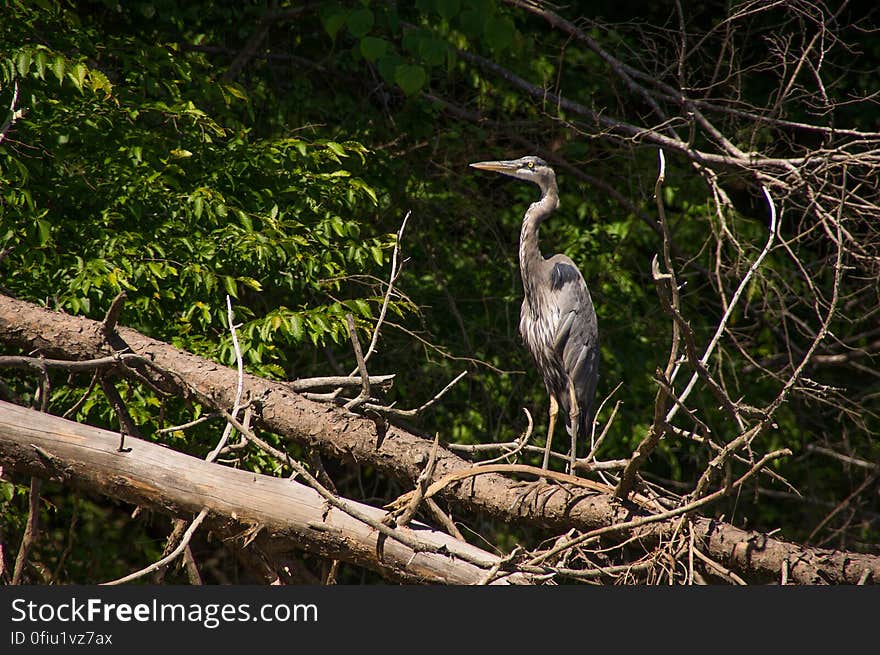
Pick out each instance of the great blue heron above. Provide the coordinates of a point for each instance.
(557, 320)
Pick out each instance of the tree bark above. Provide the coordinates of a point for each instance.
(401, 455)
(241, 504)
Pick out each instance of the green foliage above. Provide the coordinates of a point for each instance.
(138, 188)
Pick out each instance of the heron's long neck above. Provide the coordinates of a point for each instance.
(530, 256)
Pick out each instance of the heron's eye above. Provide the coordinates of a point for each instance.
(531, 165)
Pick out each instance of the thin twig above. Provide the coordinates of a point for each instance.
(581, 464)
(127, 426)
(413, 412)
(306, 384)
(71, 533)
(189, 424)
(31, 530)
(422, 483)
(192, 569)
(155, 566)
(443, 519)
(673, 303)
(839, 456)
(596, 443)
(646, 445)
(111, 318)
(492, 574)
(867, 482)
(71, 366)
(330, 578)
(723, 571)
(396, 267)
(239, 386)
(82, 399)
(722, 325)
(362, 364)
(14, 114)
(519, 443)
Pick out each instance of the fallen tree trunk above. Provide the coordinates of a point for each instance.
(239, 503)
(401, 454)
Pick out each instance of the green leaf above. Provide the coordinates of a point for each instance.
(410, 78)
(372, 47)
(447, 8)
(473, 19)
(296, 326)
(41, 59)
(388, 64)
(44, 229)
(333, 19)
(337, 149)
(319, 321)
(7, 491)
(360, 22)
(230, 286)
(99, 82)
(58, 67)
(251, 283)
(338, 226)
(433, 51)
(360, 184)
(24, 62)
(234, 90)
(499, 32)
(156, 269)
(78, 75)
(362, 307)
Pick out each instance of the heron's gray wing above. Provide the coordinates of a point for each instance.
(564, 273)
(576, 339)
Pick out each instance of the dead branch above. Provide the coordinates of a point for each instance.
(362, 365)
(307, 384)
(14, 114)
(30, 531)
(424, 479)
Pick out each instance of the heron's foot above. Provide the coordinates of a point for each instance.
(535, 493)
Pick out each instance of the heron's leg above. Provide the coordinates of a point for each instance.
(554, 410)
(575, 419)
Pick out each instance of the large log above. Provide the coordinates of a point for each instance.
(238, 502)
(401, 454)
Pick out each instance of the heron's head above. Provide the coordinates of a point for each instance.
(531, 169)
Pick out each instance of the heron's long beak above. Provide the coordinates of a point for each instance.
(506, 167)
